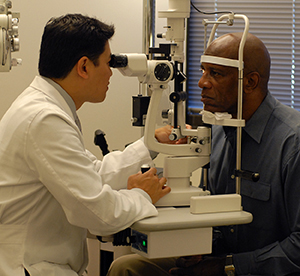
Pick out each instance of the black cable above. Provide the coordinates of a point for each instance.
(216, 12)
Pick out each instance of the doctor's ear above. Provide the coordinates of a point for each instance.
(81, 67)
(251, 81)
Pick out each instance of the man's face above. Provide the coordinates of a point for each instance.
(100, 75)
(219, 88)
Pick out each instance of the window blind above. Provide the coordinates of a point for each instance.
(275, 22)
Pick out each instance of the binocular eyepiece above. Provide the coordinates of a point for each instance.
(118, 61)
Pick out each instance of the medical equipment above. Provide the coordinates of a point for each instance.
(157, 73)
(193, 224)
(185, 158)
(9, 36)
(211, 118)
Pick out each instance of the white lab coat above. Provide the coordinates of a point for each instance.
(52, 189)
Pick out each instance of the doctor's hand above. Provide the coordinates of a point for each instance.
(162, 135)
(150, 183)
(199, 265)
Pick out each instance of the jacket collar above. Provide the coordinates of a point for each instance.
(255, 127)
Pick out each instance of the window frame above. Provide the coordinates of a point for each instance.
(280, 33)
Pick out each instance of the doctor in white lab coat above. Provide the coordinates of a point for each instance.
(51, 188)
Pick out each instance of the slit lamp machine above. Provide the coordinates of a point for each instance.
(188, 213)
(9, 36)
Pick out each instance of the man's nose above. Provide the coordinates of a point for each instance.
(204, 82)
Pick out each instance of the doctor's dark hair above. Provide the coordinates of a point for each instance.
(68, 38)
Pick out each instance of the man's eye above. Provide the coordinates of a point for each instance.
(214, 73)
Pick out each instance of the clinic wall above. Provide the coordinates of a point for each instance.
(112, 116)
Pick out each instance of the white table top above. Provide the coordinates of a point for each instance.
(181, 218)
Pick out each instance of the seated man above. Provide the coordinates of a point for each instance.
(269, 245)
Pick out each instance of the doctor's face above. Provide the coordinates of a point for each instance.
(100, 75)
(219, 88)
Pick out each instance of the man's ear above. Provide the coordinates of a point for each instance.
(81, 67)
(251, 81)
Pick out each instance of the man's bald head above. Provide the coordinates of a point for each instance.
(256, 55)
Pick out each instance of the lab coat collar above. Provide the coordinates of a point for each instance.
(64, 93)
(44, 86)
(67, 98)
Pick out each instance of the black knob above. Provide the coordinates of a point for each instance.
(162, 72)
(145, 168)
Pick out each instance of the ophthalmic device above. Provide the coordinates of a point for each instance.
(186, 230)
(9, 36)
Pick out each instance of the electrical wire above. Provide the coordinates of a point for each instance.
(215, 12)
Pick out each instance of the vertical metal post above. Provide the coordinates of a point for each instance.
(240, 100)
(148, 32)
(148, 37)
(148, 25)
(239, 132)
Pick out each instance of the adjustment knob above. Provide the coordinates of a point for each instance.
(172, 136)
(162, 72)
(145, 168)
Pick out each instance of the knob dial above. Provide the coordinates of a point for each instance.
(162, 72)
